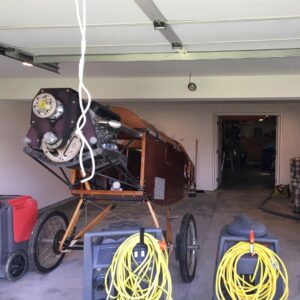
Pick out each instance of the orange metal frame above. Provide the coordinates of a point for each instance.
(85, 190)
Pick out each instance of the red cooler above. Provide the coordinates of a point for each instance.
(18, 215)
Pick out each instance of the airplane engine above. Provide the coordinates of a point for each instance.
(52, 135)
(131, 157)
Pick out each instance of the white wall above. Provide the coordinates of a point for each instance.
(185, 122)
(235, 88)
(20, 174)
(191, 121)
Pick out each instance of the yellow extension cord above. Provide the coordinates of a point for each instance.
(269, 269)
(149, 280)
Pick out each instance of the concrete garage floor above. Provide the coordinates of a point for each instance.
(212, 210)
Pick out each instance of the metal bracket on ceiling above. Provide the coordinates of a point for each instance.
(160, 23)
(23, 56)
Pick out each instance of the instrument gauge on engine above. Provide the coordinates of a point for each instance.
(44, 105)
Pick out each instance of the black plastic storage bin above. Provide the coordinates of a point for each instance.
(18, 215)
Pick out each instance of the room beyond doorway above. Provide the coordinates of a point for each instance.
(247, 151)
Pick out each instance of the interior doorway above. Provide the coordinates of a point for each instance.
(246, 151)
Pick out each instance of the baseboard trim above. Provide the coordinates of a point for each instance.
(57, 204)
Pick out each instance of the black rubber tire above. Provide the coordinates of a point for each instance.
(186, 274)
(16, 265)
(34, 262)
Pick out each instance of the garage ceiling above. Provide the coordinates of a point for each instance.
(218, 37)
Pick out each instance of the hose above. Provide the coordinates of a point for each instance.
(275, 212)
(262, 284)
(126, 279)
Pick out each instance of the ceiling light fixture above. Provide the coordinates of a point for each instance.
(159, 24)
(26, 64)
(260, 120)
(26, 58)
(191, 85)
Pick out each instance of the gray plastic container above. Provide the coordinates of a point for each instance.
(238, 231)
(99, 249)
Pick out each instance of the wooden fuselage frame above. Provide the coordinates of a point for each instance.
(165, 175)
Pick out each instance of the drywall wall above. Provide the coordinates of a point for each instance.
(235, 88)
(20, 174)
(187, 122)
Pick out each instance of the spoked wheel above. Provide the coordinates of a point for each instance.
(16, 265)
(43, 250)
(187, 248)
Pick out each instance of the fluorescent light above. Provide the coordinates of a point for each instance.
(24, 63)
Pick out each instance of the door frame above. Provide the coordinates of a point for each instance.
(216, 118)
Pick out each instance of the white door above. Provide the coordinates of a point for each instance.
(220, 154)
(277, 158)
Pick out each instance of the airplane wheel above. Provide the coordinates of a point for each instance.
(16, 265)
(186, 248)
(43, 249)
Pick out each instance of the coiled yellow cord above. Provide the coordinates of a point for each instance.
(149, 280)
(269, 269)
